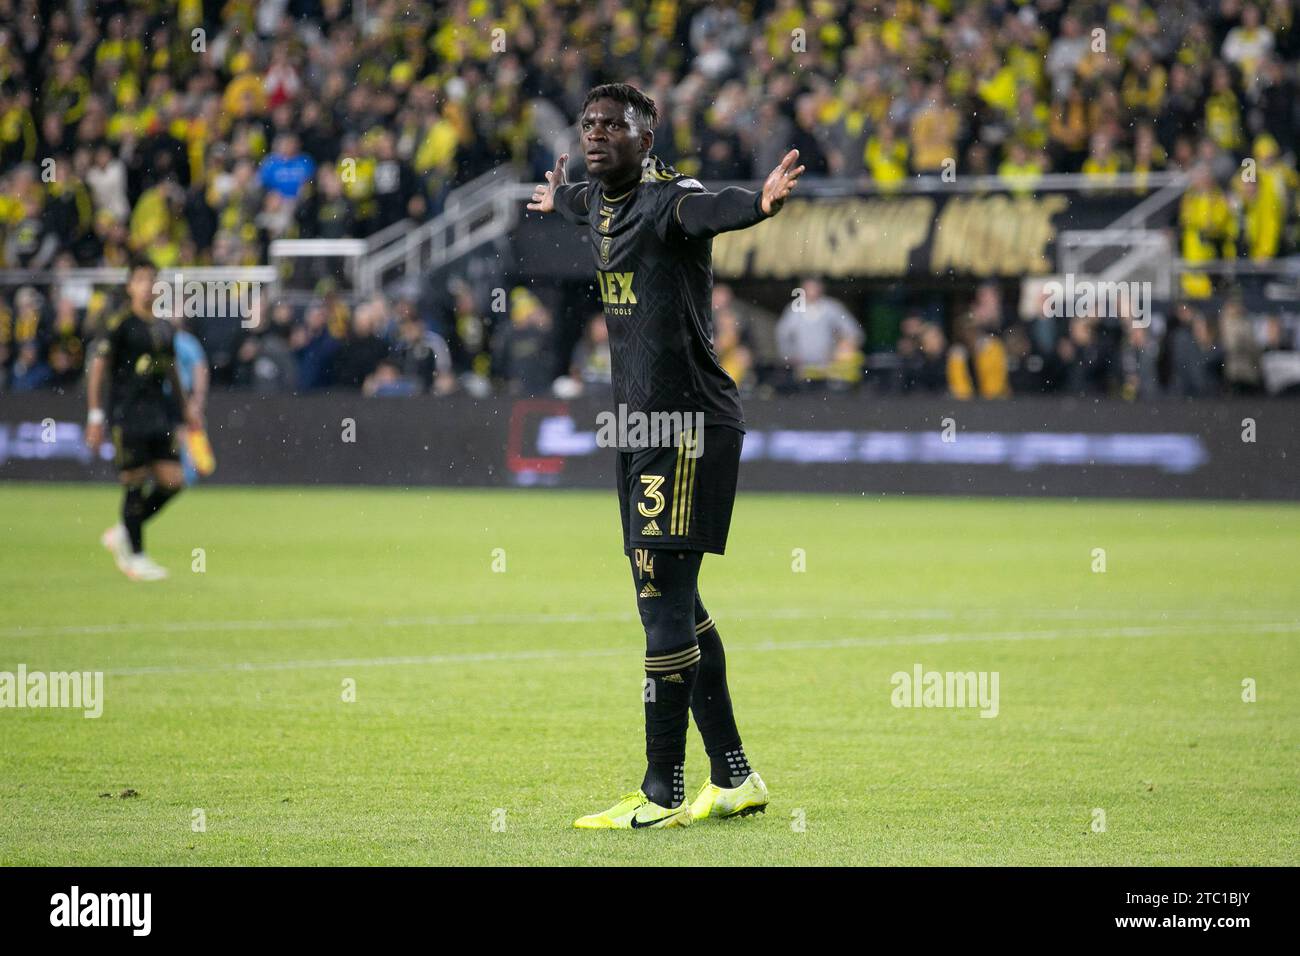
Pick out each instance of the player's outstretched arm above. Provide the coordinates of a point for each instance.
(704, 215)
(557, 194)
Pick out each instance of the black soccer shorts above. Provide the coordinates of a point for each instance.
(670, 499)
(135, 449)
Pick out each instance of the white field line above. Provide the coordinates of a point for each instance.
(903, 640)
(477, 620)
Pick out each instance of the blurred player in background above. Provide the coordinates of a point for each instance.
(136, 356)
(651, 232)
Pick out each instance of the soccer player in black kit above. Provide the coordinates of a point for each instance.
(651, 230)
(136, 356)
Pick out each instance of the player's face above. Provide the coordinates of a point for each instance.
(611, 141)
(139, 289)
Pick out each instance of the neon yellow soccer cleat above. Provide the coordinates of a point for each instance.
(723, 802)
(636, 812)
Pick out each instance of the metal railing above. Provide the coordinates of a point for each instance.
(478, 212)
(304, 262)
(1128, 249)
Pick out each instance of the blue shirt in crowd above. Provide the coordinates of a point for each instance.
(286, 174)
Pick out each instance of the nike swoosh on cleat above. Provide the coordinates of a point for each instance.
(638, 825)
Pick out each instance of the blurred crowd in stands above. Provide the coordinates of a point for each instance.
(997, 345)
(1000, 346)
(197, 132)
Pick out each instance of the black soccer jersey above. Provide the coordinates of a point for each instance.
(140, 356)
(656, 287)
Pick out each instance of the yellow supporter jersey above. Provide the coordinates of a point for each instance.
(887, 163)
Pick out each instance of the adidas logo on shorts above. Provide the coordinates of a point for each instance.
(651, 529)
(650, 591)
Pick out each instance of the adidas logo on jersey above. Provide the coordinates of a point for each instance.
(651, 529)
(650, 591)
(673, 679)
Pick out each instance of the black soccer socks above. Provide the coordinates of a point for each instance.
(139, 505)
(669, 680)
(133, 508)
(711, 707)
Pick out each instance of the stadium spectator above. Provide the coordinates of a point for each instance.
(265, 359)
(818, 337)
(397, 189)
(1263, 200)
(925, 363)
(107, 181)
(886, 158)
(1084, 367)
(325, 212)
(466, 329)
(420, 355)
(772, 131)
(29, 371)
(590, 368)
(365, 347)
(523, 347)
(735, 358)
(1102, 164)
(1026, 368)
(977, 360)
(1064, 56)
(67, 349)
(1249, 42)
(1068, 131)
(1241, 350)
(1021, 168)
(757, 328)
(315, 349)
(1209, 229)
(286, 170)
(808, 136)
(1187, 355)
(934, 130)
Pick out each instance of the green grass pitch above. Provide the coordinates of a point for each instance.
(492, 707)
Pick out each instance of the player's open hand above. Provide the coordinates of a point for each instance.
(544, 195)
(780, 182)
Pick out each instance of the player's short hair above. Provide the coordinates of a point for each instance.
(643, 108)
(140, 262)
